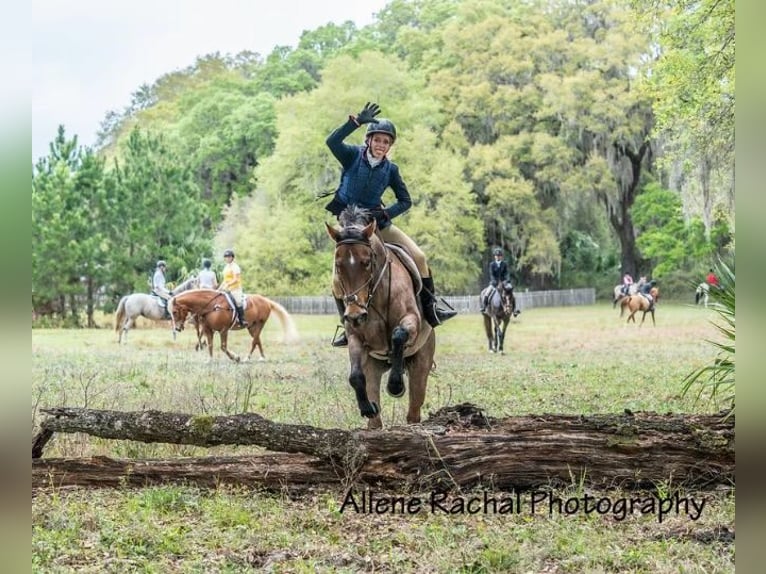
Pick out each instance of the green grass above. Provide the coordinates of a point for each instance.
(572, 360)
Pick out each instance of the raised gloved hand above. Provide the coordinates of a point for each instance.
(368, 113)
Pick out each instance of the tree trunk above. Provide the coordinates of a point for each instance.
(457, 447)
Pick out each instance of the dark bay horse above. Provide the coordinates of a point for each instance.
(636, 303)
(383, 318)
(215, 313)
(137, 305)
(501, 306)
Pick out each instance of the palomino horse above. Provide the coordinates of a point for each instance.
(702, 294)
(501, 305)
(383, 318)
(215, 313)
(636, 303)
(137, 305)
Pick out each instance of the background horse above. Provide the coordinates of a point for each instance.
(636, 303)
(215, 313)
(702, 294)
(383, 318)
(137, 305)
(501, 305)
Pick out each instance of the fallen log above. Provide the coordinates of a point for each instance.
(276, 471)
(457, 447)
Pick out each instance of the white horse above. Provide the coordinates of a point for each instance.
(702, 294)
(144, 305)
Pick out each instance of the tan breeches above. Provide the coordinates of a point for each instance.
(393, 234)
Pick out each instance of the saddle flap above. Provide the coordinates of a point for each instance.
(409, 264)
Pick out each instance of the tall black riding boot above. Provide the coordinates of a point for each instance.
(241, 316)
(433, 314)
(340, 340)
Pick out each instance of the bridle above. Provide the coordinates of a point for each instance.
(372, 282)
(202, 313)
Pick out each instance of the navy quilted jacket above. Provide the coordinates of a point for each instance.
(362, 184)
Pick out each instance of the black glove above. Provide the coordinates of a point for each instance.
(368, 113)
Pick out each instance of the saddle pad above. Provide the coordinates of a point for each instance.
(230, 300)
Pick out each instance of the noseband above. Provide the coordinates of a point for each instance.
(372, 283)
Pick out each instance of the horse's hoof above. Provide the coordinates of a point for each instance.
(370, 410)
(261, 359)
(395, 388)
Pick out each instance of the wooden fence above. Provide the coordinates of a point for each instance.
(324, 305)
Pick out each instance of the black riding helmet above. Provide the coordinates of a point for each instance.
(161, 263)
(228, 253)
(206, 263)
(384, 126)
(497, 251)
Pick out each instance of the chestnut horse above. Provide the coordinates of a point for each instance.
(383, 318)
(619, 294)
(215, 313)
(501, 305)
(636, 303)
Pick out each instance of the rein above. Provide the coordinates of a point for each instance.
(371, 283)
(202, 312)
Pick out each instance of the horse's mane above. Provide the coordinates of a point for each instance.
(353, 220)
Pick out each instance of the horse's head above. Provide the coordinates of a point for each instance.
(655, 293)
(359, 257)
(178, 313)
(506, 294)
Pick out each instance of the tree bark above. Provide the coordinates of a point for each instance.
(457, 447)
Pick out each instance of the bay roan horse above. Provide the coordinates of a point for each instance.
(383, 318)
(501, 305)
(215, 313)
(636, 303)
(137, 305)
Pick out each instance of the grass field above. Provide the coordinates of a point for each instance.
(565, 360)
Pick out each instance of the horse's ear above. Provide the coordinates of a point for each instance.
(370, 229)
(332, 232)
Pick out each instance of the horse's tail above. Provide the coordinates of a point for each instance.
(288, 326)
(119, 317)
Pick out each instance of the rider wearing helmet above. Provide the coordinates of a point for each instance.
(207, 277)
(158, 285)
(367, 173)
(498, 275)
(232, 283)
(646, 289)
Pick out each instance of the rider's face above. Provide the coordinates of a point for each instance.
(380, 144)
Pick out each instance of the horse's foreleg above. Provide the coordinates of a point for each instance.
(395, 386)
(358, 381)
(225, 346)
(373, 372)
(488, 332)
(501, 337)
